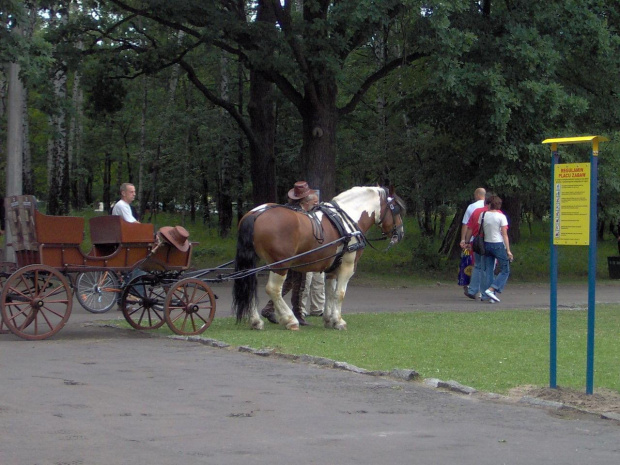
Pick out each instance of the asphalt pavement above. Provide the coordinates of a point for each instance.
(99, 395)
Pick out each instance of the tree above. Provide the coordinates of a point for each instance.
(502, 77)
(302, 54)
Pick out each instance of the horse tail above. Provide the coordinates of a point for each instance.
(245, 290)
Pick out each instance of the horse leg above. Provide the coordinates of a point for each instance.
(283, 313)
(335, 292)
(255, 320)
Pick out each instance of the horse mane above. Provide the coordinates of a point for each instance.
(358, 197)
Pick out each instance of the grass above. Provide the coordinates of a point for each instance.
(490, 351)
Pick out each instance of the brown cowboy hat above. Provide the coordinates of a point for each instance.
(177, 236)
(300, 191)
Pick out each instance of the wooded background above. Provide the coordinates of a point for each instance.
(216, 106)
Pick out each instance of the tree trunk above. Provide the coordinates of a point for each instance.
(75, 143)
(14, 143)
(107, 179)
(142, 198)
(450, 244)
(318, 160)
(241, 146)
(224, 204)
(15, 140)
(263, 124)
(58, 156)
(27, 171)
(511, 206)
(59, 194)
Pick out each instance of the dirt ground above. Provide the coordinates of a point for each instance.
(601, 401)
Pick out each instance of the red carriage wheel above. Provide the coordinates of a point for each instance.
(3, 278)
(142, 302)
(190, 307)
(36, 302)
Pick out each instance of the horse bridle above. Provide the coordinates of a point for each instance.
(398, 230)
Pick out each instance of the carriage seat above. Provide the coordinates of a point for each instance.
(58, 229)
(112, 229)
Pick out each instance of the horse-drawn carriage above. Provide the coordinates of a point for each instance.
(37, 292)
(37, 289)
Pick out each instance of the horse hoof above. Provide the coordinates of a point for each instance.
(257, 325)
(293, 327)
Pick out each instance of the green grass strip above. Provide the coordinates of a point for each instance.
(491, 351)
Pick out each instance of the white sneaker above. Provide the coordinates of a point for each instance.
(492, 295)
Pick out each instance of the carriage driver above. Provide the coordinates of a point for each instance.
(123, 206)
(301, 198)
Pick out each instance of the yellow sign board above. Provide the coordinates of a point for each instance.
(571, 204)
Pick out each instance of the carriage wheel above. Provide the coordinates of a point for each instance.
(3, 277)
(36, 302)
(97, 291)
(190, 307)
(142, 302)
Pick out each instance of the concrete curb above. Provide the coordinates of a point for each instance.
(397, 374)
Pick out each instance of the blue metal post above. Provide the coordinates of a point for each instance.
(553, 304)
(592, 269)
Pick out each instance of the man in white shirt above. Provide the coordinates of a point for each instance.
(479, 195)
(123, 206)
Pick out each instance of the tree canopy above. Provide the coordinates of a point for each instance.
(209, 104)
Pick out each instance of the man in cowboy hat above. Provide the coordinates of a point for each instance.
(295, 280)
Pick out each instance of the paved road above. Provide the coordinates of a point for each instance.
(96, 395)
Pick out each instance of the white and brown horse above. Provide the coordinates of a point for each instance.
(288, 239)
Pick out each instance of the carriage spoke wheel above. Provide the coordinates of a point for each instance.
(97, 291)
(36, 302)
(190, 307)
(3, 277)
(142, 302)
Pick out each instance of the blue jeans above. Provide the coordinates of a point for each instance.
(477, 275)
(496, 250)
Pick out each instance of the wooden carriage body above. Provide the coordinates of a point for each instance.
(56, 241)
(37, 296)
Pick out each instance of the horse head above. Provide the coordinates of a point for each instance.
(390, 220)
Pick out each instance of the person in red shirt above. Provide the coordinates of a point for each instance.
(478, 273)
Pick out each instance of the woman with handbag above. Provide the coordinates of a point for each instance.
(497, 247)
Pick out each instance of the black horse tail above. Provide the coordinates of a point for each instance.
(245, 290)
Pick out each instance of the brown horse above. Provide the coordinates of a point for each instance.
(288, 239)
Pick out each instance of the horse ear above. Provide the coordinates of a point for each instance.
(391, 190)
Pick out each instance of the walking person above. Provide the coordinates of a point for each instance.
(478, 273)
(497, 247)
(479, 196)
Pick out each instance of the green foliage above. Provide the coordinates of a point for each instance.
(485, 90)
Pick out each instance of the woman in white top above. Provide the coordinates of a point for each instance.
(497, 247)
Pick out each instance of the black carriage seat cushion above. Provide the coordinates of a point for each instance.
(115, 230)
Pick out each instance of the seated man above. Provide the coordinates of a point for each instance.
(123, 206)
